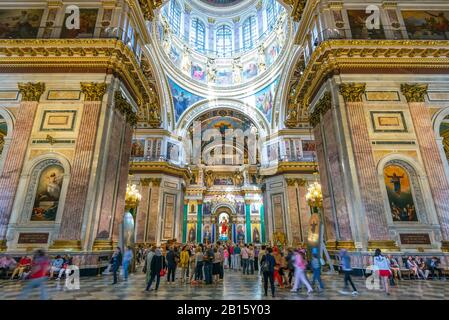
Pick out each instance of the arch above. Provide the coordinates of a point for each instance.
(5, 139)
(420, 189)
(219, 205)
(201, 107)
(442, 142)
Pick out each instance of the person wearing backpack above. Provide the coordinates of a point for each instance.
(267, 268)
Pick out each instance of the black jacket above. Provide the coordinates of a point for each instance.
(116, 261)
(157, 264)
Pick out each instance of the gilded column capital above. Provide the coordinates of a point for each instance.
(322, 106)
(414, 92)
(31, 91)
(145, 182)
(353, 92)
(290, 182)
(156, 182)
(93, 91)
(125, 108)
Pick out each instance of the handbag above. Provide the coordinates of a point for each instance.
(163, 272)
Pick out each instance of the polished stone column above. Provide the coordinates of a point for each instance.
(75, 202)
(422, 122)
(329, 218)
(142, 211)
(368, 182)
(296, 231)
(14, 159)
(153, 210)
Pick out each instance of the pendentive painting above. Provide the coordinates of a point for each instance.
(359, 30)
(433, 25)
(88, 20)
(48, 194)
(400, 198)
(20, 24)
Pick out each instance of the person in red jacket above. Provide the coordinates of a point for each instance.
(38, 276)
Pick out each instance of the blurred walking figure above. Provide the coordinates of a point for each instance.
(127, 258)
(147, 267)
(300, 272)
(347, 270)
(38, 276)
(116, 261)
(184, 263)
(316, 267)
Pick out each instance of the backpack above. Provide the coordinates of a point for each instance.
(264, 265)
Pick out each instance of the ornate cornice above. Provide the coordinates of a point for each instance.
(365, 57)
(158, 167)
(414, 92)
(353, 92)
(31, 91)
(148, 7)
(80, 55)
(93, 91)
(296, 167)
(298, 9)
(322, 106)
(125, 108)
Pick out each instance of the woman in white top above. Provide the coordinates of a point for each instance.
(383, 268)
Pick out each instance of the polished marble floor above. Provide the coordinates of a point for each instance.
(234, 287)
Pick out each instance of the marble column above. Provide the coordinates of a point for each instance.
(104, 229)
(142, 211)
(184, 222)
(153, 210)
(329, 218)
(199, 226)
(367, 175)
(294, 211)
(75, 202)
(422, 122)
(248, 222)
(14, 159)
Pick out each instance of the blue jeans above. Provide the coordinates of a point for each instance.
(208, 272)
(125, 269)
(317, 277)
(199, 271)
(35, 283)
(251, 265)
(245, 266)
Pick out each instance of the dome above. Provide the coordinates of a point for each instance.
(221, 47)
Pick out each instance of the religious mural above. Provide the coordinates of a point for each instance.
(272, 53)
(433, 25)
(357, 21)
(250, 70)
(191, 232)
(198, 72)
(138, 148)
(182, 99)
(20, 24)
(223, 226)
(88, 20)
(48, 193)
(240, 233)
(264, 99)
(399, 192)
(207, 233)
(255, 234)
(224, 77)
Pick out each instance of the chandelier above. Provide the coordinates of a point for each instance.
(133, 196)
(314, 196)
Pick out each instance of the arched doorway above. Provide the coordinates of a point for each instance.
(444, 134)
(223, 224)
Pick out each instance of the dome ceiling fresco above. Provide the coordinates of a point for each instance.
(221, 3)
